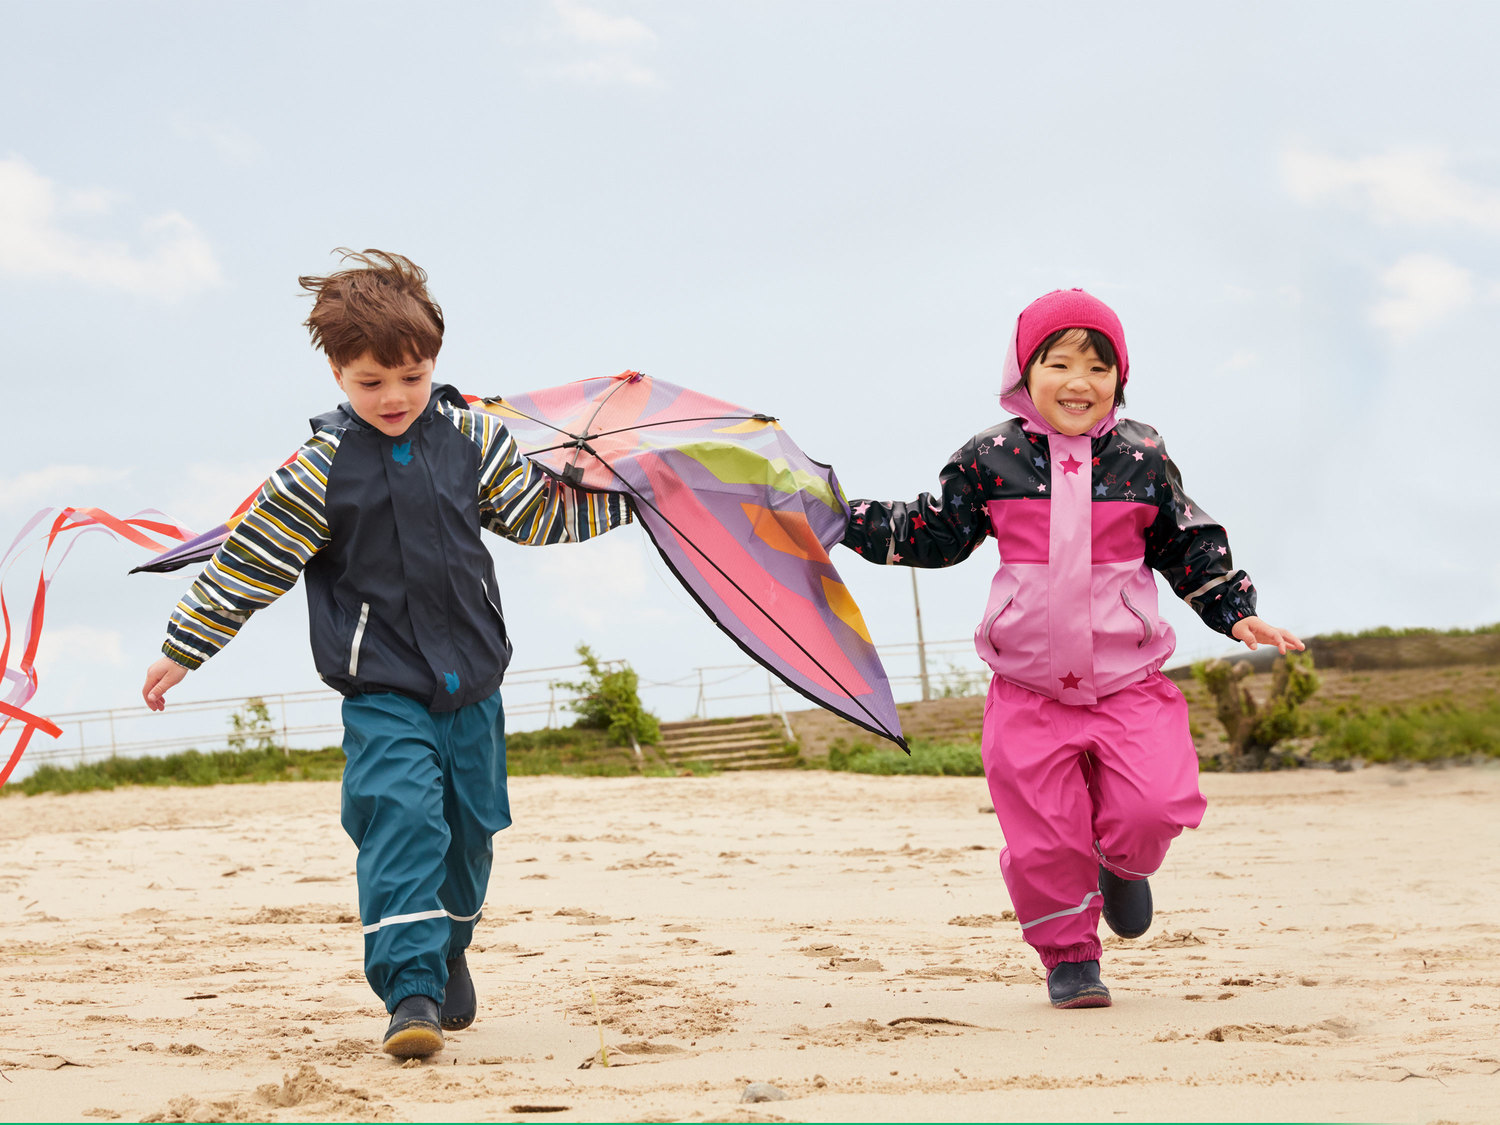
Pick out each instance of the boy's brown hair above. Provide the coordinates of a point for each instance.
(382, 307)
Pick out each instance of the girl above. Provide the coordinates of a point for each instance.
(1086, 746)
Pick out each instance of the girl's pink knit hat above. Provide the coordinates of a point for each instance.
(1068, 308)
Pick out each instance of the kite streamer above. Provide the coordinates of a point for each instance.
(58, 532)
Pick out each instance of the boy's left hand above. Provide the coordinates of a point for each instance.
(1255, 632)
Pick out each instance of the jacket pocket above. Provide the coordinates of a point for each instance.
(359, 636)
(1148, 630)
(989, 622)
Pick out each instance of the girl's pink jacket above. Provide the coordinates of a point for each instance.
(1080, 523)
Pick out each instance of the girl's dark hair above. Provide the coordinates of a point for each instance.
(1097, 340)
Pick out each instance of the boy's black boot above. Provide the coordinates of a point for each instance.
(1075, 984)
(414, 1032)
(1127, 903)
(459, 1003)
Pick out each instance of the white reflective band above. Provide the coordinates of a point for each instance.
(421, 916)
(1079, 909)
(359, 635)
(401, 919)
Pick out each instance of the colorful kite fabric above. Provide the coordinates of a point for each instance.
(742, 516)
(49, 529)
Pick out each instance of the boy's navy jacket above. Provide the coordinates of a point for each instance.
(401, 591)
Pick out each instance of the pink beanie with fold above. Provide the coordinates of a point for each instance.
(1068, 308)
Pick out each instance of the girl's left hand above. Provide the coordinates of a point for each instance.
(1255, 632)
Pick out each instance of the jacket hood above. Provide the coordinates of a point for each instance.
(1062, 308)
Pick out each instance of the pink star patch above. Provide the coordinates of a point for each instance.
(1072, 464)
(1070, 681)
(1244, 584)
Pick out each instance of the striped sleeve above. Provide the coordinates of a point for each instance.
(260, 560)
(526, 504)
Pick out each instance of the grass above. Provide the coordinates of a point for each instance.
(951, 759)
(1417, 631)
(191, 767)
(571, 751)
(1419, 732)
(575, 752)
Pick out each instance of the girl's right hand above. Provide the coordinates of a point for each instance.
(165, 673)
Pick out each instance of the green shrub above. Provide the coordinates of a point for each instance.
(1420, 732)
(611, 701)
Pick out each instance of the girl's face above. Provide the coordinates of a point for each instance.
(1071, 387)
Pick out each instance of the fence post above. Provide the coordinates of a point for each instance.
(286, 750)
(921, 644)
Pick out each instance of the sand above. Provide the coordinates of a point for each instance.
(1325, 948)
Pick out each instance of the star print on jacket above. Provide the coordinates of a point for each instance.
(1129, 464)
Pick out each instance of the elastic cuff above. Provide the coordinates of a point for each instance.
(178, 656)
(414, 984)
(1053, 956)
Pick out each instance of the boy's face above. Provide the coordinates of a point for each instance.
(1071, 387)
(388, 398)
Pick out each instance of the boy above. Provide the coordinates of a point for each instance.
(382, 508)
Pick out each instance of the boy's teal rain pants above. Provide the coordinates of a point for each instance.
(423, 794)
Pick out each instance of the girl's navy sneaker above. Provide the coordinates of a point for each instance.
(1075, 984)
(1127, 903)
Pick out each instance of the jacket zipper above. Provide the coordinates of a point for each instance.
(1147, 631)
(359, 635)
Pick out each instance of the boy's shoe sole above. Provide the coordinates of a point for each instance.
(1076, 984)
(1126, 905)
(459, 1003)
(414, 1032)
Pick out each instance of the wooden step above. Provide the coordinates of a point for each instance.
(749, 738)
(742, 759)
(703, 726)
(713, 753)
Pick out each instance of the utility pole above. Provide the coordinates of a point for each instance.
(921, 644)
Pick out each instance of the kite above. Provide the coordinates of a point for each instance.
(743, 518)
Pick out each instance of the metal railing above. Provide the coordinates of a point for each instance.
(301, 719)
(311, 719)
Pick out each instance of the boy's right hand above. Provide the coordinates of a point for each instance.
(164, 674)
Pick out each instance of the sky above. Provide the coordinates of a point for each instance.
(827, 212)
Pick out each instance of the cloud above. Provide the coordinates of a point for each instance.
(1406, 186)
(175, 260)
(593, 26)
(51, 486)
(1421, 290)
(612, 46)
